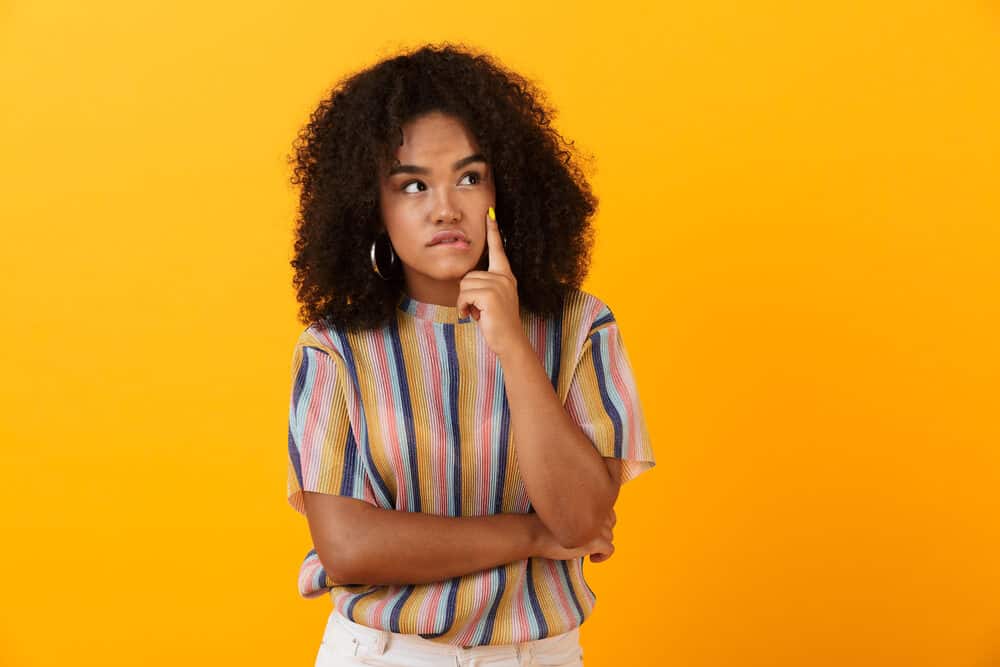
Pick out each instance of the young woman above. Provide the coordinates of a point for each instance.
(462, 414)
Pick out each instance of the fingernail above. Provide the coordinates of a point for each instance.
(492, 214)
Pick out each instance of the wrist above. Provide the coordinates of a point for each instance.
(534, 533)
(520, 349)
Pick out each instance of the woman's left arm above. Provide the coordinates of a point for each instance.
(571, 486)
(573, 491)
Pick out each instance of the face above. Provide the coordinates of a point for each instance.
(438, 183)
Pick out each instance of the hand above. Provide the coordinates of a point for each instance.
(609, 527)
(600, 548)
(491, 297)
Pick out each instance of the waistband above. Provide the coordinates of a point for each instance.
(380, 640)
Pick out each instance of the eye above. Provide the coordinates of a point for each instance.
(473, 174)
(405, 186)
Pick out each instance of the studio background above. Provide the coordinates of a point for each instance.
(798, 232)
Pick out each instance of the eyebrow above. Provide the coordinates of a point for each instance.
(414, 169)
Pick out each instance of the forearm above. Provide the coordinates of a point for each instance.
(564, 475)
(395, 547)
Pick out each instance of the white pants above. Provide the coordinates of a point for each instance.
(348, 643)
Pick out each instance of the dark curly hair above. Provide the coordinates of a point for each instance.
(543, 200)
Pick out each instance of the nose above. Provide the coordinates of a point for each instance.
(444, 209)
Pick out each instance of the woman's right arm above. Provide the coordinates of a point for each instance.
(358, 543)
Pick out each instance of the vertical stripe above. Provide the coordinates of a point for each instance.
(348, 481)
(404, 416)
(609, 395)
(622, 381)
(539, 627)
(501, 426)
(452, 417)
(570, 592)
(397, 608)
(491, 616)
(555, 354)
(371, 470)
(294, 438)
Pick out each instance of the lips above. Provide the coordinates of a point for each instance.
(450, 235)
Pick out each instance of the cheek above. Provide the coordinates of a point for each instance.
(398, 214)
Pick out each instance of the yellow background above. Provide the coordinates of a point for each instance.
(799, 234)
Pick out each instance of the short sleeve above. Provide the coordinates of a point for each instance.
(323, 455)
(603, 399)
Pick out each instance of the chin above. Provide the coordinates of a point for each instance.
(453, 271)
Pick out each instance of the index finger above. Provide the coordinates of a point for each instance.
(498, 258)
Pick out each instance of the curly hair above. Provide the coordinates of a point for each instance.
(543, 200)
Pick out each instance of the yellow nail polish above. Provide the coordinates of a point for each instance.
(492, 214)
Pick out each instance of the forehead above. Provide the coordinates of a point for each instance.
(435, 139)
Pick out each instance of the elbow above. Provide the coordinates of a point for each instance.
(576, 531)
(340, 565)
(341, 575)
(578, 534)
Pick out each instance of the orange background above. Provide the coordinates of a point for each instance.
(799, 234)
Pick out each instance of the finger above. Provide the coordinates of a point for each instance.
(469, 299)
(479, 278)
(470, 309)
(601, 551)
(498, 258)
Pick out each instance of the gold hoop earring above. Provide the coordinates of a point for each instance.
(392, 257)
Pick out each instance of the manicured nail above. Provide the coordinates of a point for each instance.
(492, 214)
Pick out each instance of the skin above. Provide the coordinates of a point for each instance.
(571, 486)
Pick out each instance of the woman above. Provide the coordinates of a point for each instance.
(462, 413)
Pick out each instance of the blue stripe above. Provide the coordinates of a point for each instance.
(536, 616)
(349, 480)
(383, 496)
(397, 607)
(603, 318)
(451, 415)
(311, 359)
(564, 565)
(452, 605)
(449, 610)
(355, 598)
(491, 615)
(598, 352)
(293, 454)
(404, 414)
(502, 447)
(294, 430)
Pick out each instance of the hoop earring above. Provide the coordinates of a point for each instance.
(392, 258)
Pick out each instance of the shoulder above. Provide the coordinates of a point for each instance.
(586, 312)
(322, 337)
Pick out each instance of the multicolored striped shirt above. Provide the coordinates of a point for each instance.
(414, 417)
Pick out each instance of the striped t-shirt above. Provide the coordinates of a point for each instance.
(414, 417)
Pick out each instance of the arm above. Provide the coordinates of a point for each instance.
(357, 542)
(570, 485)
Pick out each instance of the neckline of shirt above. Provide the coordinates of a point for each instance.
(431, 312)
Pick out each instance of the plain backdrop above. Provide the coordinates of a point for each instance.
(799, 233)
